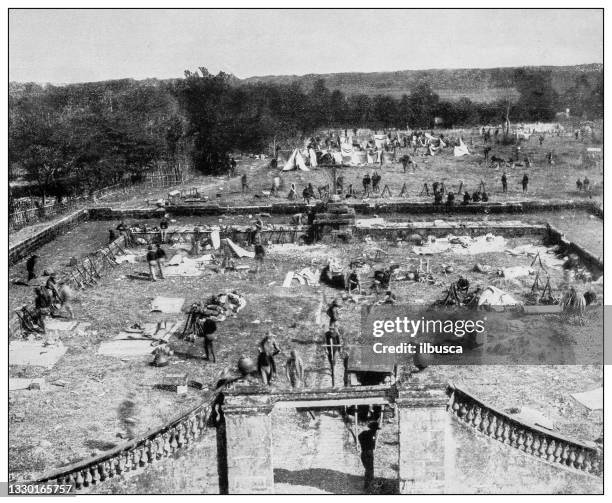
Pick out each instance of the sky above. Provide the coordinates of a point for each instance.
(66, 46)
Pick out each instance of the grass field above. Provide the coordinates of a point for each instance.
(545, 182)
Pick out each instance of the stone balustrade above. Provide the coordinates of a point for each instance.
(138, 453)
(484, 419)
(539, 442)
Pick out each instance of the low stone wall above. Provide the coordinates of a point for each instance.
(588, 258)
(24, 248)
(404, 231)
(106, 213)
(543, 444)
(240, 234)
(364, 208)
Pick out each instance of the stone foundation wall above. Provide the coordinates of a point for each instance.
(588, 258)
(364, 208)
(24, 248)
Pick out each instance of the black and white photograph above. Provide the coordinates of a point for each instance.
(351, 250)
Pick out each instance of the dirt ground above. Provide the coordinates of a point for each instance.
(105, 400)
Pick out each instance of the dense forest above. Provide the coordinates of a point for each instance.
(74, 139)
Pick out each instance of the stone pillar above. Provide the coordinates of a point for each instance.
(248, 432)
(426, 451)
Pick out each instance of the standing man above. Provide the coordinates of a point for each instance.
(256, 233)
(292, 196)
(367, 442)
(340, 184)
(31, 267)
(206, 328)
(161, 257)
(270, 348)
(233, 166)
(244, 182)
(375, 181)
(586, 184)
(306, 195)
(152, 261)
(65, 296)
(486, 151)
(163, 229)
(294, 369)
(333, 311)
(260, 255)
(333, 342)
(504, 181)
(525, 182)
(366, 184)
(450, 200)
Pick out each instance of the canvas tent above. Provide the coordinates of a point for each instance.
(337, 157)
(380, 140)
(296, 160)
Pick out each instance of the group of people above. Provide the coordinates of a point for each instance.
(371, 184)
(584, 185)
(477, 196)
(267, 349)
(49, 299)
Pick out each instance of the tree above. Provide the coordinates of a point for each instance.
(385, 110)
(359, 110)
(423, 103)
(338, 108)
(538, 100)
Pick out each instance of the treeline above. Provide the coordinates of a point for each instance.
(75, 139)
(78, 138)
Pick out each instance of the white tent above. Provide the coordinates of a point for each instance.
(337, 157)
(295, 161)
(461, 149)
(380, 140)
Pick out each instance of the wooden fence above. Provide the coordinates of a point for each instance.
(24, 217)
